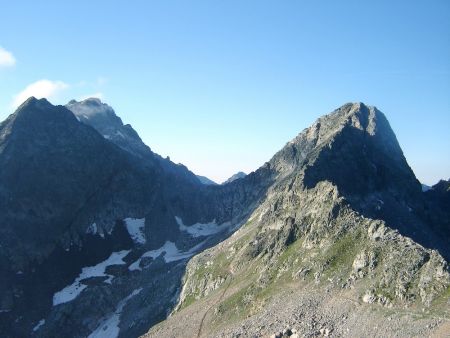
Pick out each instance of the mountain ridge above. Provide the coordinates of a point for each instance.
(338, 201)
(234, 177)
(322, 230)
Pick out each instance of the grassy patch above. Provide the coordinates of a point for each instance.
(188, 301)
(339, 257)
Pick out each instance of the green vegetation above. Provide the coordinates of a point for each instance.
(338, 258)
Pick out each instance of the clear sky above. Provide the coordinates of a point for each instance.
(220, 86)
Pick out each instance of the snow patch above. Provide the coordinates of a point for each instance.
(135, 265)
(38, 325)
(202, 229)
(72, 291)
(109, 327)
(170, 253)
(135, 227)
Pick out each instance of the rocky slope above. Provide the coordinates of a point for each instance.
(344, 225)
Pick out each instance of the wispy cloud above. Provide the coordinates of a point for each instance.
(6, 58)
(39, 89)
(95, 95)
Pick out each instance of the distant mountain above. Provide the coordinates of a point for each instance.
(425, 187)
(235, 177)
(102, 117)
(437, 206)
(205, 180)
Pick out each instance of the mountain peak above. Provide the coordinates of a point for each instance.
(93, 100)
(34, 112)
(238, 175)
(34, 102)
(357, 120)
(91, 107)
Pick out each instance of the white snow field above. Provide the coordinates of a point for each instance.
(72, 291)
(202, 229)
(171, 254)
(135, 227)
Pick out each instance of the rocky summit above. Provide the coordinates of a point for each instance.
(102, 237)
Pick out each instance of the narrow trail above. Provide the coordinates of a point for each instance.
(200, 328)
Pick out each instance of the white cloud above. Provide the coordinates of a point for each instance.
(6, 58)
(39, 89)
(95, 95)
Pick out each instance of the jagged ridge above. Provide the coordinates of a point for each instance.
(327, 224)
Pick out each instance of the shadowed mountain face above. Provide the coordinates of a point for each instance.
(67, 186)
(183, 192)
(57, 177)
(206, 180)
(78, 188)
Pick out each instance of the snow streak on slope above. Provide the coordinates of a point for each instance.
(202, 229)
(109, 327)
(38, 325)
(73, 290)
(135, 227)
(170, 253)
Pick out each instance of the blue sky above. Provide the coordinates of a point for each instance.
(222, 85)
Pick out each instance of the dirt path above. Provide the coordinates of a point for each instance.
(200, 328)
